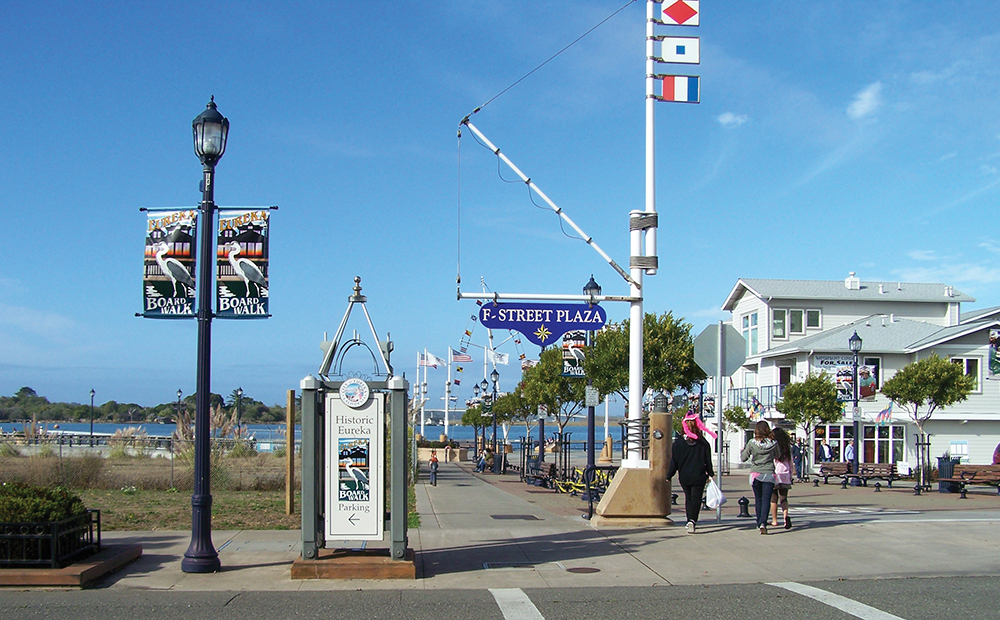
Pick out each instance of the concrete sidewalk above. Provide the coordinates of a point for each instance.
(489, 531)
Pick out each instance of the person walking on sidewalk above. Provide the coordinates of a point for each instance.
(432, 464)
(782, 477)
(691, 460)
(760, 451)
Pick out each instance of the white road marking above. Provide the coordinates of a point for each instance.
(515, 604)
(844, 604)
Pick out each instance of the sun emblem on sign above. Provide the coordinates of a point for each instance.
(543, 333)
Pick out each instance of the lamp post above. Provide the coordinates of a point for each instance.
(239, 404)
(475, 394)
(483, 386)
(211, 130)
(178, 415)
(855, 344)
(92, 418)
(497, 462)
(592, 289)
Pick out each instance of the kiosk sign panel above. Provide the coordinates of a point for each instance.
(355, 436)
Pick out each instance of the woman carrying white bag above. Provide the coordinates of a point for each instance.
(691, 460)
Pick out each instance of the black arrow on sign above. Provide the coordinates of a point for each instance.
(350, 519)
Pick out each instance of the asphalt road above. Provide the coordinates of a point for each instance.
(909, 599)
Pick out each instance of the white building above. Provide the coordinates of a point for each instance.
(796, 327)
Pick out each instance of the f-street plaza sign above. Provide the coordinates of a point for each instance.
(542, 324)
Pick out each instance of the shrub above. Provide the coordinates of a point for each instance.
(21, 503)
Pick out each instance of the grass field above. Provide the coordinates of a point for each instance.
(155, 493)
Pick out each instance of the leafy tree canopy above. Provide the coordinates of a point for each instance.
(931, 382)
(667, 358)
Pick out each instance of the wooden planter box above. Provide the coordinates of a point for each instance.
(50, 544)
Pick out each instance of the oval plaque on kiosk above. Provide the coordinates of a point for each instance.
(354, 392)
(542, 323)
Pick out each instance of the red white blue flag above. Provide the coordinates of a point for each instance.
(460, 357)
(681, 88)
(681, 12)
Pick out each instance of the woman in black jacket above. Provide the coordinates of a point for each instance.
(691, 460)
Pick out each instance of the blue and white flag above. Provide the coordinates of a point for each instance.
(685, 50)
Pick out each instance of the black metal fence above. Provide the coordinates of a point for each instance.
(50, 544)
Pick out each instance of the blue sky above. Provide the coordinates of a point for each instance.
(832, 136)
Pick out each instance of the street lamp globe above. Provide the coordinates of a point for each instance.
(494, 377)
(592, 288)
(483, 385)
(475, 389)
(211, 130)
(855, 342)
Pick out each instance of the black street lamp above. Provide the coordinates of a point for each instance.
(497, 462)
(239, 404)
(482, 444)
(177, 418)
(855, 343)
(211, 130)
(592, 289)
(92, 418)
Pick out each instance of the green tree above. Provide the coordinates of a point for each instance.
(931, 382)
(515, 407)
(810, 403)
(736, 419)
(545, 384)
(473, 416)
(667, 356)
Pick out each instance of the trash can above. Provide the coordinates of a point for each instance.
(946, 469)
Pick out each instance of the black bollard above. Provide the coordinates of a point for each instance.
(916, 489)
(815, 482)
(843, 484)
(673, 499)
(878, 487)
(961, 493)
(744, 508)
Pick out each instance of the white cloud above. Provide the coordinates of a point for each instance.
(953, 273)
(988, 170)
(922, 255)
(866, 102)
(728, 119)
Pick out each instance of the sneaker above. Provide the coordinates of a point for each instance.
(690, 527)
(763, 530)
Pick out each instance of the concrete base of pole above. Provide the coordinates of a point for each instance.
(642, 493)
(635, 493)
(606, 452)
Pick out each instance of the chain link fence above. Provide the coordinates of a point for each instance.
(141, 463)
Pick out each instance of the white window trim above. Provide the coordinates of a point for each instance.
(805, 318)
(965, 367)
(784, 310)
(789, 329)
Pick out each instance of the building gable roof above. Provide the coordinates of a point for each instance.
(880, 334)
(824, 290)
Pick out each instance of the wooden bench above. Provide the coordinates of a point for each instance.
(974, 474)
(832, 468)
(544, 476)
(884, 471)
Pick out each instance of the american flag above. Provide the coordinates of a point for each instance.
(460, 357)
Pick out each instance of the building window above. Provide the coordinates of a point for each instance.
(750, 333)
(778, 325)
(795, 324)
(812, 319)
(971, 365)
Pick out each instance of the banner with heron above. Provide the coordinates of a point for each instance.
(168, 283)
(242, 259)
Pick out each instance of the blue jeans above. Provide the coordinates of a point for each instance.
(762, 500)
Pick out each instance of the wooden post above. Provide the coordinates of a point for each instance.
(290, 454)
